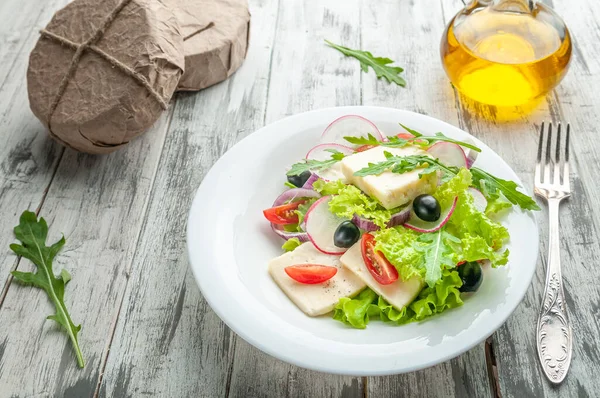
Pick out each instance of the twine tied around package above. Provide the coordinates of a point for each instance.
(89, 44)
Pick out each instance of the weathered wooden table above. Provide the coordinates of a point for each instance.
(146, 328)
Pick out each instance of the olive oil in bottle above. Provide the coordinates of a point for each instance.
(506, 53)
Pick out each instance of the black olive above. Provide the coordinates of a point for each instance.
(300, 179)
(471, 276)
(427, 208)
(346, 234)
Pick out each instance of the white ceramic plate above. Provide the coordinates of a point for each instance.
(230, 244)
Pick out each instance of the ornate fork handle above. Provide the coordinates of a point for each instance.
(554, 336)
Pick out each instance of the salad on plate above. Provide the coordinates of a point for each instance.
(395, 228)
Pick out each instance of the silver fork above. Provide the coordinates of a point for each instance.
(554, 335)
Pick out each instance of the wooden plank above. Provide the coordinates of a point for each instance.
(574, 101)
(98, 203)
(28, 158)
(305, 75)
(168, 341)
(418, 27)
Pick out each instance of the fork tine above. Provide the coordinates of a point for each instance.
(565, 177)
(548, 152)
(557, 156)
(538, 177)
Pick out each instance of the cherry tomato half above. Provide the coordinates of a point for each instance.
(379, 266)
(284, 214)
(364, 148)
(405, 136)
(310, 274)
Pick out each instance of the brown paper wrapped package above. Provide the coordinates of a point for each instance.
(103, 71)
(216, 34)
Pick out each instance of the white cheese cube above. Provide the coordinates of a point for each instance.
(399, 294)
(320, 298)
(390, 189)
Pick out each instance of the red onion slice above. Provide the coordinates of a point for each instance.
(294, 193)
(471, 158)
(311, 180)
(398, 218)
(278, 229)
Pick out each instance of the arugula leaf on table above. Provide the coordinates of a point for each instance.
(490, 185)
(419, 139)
(380, 65)
(32, 234)
(316, 165)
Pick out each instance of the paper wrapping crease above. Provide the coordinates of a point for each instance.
(103, 108)
(216, 36)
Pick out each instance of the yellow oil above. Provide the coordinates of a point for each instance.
(506, 59)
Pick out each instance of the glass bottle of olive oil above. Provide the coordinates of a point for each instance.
(506, 52)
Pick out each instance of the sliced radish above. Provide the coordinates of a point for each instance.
(321, 225)
(398, 218)
(294, 193)
(416, 224)
(480, 201)
(449, 154)
(322, 152)
(350, 126)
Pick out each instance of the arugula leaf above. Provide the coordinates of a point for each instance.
(349, 200)
(490, 185)
(419, 139)
(405, 164)
(370, 140)
(316, 165)
(32, 234)
(379, 65)
(437, 249)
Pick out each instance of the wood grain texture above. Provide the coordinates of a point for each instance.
(168, 341)
(97, 203)
(305, 75)
(420, 26)
(28, 158)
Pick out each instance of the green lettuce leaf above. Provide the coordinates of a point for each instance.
(496, 203)
(349, 200)
(357, 312)
(479, 235)
(291, 244)
(398, 246)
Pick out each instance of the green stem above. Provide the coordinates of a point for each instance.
(60, 310)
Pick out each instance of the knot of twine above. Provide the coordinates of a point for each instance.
(89, 44)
